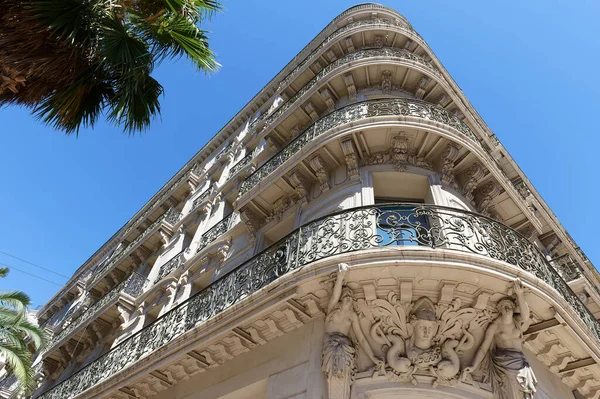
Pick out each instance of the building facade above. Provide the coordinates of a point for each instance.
(356, 231)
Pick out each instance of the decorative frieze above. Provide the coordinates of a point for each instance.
(267, 120)
(354, 25)
(398, 155)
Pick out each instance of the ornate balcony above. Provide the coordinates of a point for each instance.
(354, 113)
(400, 225)
(214, 232)
(342, 32)
(132, 286)
(169, 266)
(387, 53)
(171, 216)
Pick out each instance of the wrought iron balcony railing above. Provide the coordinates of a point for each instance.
(366, 228)
(132, 285)
(201, 198)
(353, 113)
(214, 232)
(169, 266)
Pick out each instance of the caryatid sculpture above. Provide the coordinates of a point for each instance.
(511, 375)
(339, 352)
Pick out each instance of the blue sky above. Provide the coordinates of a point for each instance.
(528, 67)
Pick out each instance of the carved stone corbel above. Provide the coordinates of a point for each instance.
(251, 220)
(350, 45)
(223, 251)
(379, 41)
(351, 158)
(386, 81)
(328, 99)
(449, 157)
(330, 55)
(400, 151)
(443, 100)
(309, 108)
(488, 192)
(350, 86)
(420, 91)
(319, 167)
(300, 184)
(474, 173)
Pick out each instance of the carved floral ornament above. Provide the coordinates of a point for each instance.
(448, 341)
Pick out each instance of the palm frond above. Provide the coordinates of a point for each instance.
(27, 328)
(19, 360)
(135, 102)
(17, 299)
(176, 36)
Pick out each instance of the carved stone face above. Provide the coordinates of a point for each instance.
(424, 331)
(347, 302)
(506, 306)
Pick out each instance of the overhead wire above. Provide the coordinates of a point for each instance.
(33, 264)
(31, 274)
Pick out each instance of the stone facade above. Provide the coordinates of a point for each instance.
(356, 231)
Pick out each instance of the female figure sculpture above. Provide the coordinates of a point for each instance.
(339, 352)
(512, 377)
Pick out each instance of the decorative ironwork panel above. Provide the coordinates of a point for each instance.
(383, 225)
(567, 267)
(202, 197)
(228, 147)
(172, 216)
(243, 162)
(214, 232)
(135, 285)
(175, 262)
(353, 113)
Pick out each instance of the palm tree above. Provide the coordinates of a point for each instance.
(16, 335)
(71, 60)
